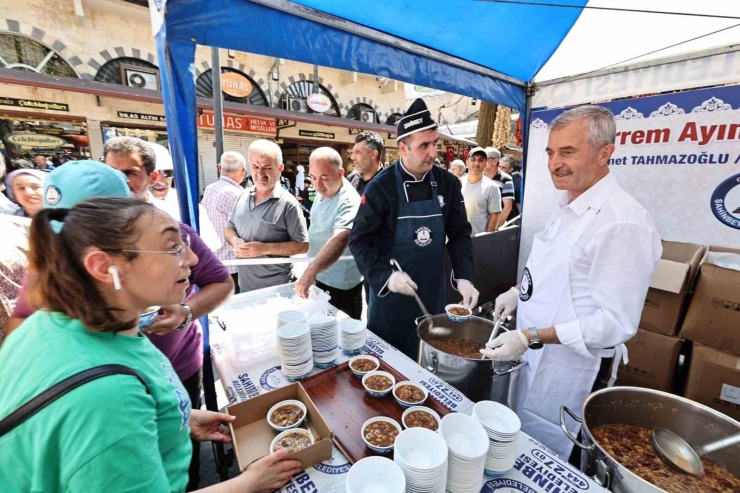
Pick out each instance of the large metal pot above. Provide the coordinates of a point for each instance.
(694, 422)
(478, 379)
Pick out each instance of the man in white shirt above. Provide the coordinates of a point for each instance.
(584, 284)
(482, 196)
(219, 199)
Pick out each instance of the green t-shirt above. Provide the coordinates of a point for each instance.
(107, 435)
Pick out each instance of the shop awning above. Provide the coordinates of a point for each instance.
(489, 49)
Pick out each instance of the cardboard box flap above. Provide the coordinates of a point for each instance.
(670, 276)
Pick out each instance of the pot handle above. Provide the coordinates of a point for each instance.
(419, 319)
(513, 368)
(573, 439)
(435, 363)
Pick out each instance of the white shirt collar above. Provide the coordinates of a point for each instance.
(413, 178)
(593, 198)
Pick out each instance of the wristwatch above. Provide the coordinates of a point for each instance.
(189, 318)
(534, 339)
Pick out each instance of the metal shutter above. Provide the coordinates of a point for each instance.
(207, 160)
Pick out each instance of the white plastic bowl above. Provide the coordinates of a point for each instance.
(376, 475)
(376, 449)
(363, 356)
(501, 420)
(282, 404)
(419, 449)
(378, 393)
(405, 404)
(458, 318)
(288, 432)
(351, 326)
(420, 408)
(294, 330)
(464, 435)
(290, 316)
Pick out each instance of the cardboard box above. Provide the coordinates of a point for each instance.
(714, 380)
(713, 318)
(652, 361)
(252, 434)
(667, 297)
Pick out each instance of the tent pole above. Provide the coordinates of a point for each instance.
(218, 102)
(525, 143)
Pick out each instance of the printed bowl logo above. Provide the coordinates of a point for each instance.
(273, 379)
(53, 195)
(334, 465)
(503, 485)
(423, 236)
(726, 202)
(527, 288)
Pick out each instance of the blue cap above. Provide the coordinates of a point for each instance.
(75, 181)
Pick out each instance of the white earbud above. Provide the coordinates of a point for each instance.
(113, 271)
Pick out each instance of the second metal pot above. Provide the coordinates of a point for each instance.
(478, 379)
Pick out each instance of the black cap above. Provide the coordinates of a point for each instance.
(416, 119)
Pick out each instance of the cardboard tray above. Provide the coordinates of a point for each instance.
(252, 434)
(341, 399)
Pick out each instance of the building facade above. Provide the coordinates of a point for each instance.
(77, 72)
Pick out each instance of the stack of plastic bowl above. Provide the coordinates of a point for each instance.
(294, 347)
(502, 426)
(290, 316)
(324, 340)
(422, 456)
(352, 335)
(467, 442)
(376, 475)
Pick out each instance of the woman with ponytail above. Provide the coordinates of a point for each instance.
(121, 432)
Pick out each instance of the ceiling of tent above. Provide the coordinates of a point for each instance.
(601, 38)
(515, 40)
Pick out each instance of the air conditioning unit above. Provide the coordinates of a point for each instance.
(367, 116)
(296, 104)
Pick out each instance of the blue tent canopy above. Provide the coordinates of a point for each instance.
(481, 52)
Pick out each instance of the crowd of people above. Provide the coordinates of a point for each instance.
(90, 245)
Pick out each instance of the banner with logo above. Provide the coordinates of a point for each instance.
(537, 469)
(677, 154)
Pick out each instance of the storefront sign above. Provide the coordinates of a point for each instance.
(319, 103)
(34, 140)
(235, 85)
(311, 133)
(30, 103)
(141, 117)
(238, 123)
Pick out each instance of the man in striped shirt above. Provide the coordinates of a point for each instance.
(219, 200)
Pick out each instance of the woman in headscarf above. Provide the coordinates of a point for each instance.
(25, 188)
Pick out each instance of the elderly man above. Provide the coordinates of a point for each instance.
(504, 183)
(482, 196)
(40, 162)
(412, 212)
(332, 216)
(584, 284)
(267, 221)
(457, 168)
(219, 200)
(366, 156)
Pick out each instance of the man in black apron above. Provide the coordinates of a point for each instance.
(407, 213)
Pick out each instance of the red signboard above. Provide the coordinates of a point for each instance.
(239, 123)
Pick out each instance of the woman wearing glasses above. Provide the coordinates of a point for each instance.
(99, 265)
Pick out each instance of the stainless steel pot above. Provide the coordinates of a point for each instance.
(694, 422)
(478, 379)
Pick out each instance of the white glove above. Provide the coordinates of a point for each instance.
(506, 304)
(509, 346)
(401, 283)
(469, 294)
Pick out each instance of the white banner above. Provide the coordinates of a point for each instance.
(678, 155)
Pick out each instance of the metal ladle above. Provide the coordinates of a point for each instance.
(674, 451)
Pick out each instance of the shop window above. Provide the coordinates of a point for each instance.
(204, 88)
(131, 72)
(22, 53)
(363, 112)
(295, 98)
(393, 119)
